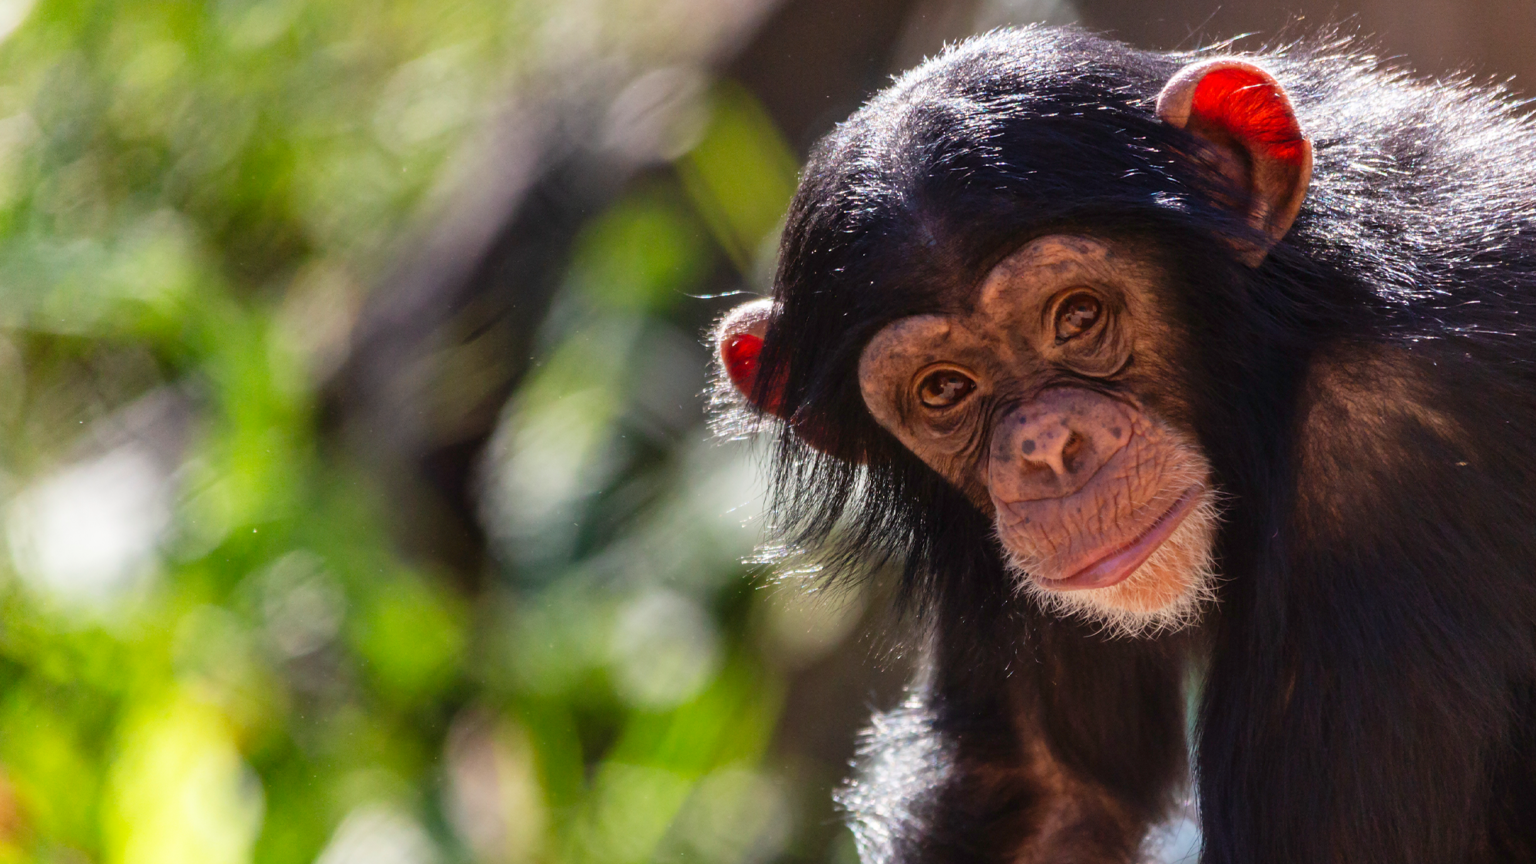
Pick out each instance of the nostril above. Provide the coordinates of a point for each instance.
(1070, 451)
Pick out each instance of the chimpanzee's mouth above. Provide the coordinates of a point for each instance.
(1116, 565)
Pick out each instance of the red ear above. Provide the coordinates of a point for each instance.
(1245, 116)
(739, 341)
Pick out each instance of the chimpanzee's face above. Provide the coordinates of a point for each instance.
(1056, 394)
(1031, 398)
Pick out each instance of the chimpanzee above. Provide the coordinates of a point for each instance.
(1173, 380)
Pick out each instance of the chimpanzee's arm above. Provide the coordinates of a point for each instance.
(1065, 751)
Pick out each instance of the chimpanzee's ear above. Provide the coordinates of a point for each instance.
(1242, 112)
(738, 342)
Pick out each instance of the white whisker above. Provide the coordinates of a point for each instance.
(1170, 591)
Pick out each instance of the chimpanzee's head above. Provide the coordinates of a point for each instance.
(995, 285)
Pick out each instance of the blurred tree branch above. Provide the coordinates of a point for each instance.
(445, 339)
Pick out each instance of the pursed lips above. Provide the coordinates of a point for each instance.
(1105, 567)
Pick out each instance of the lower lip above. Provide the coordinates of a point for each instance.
(1115, 567)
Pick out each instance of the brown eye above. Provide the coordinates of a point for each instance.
(1076, 314)
(945, 388)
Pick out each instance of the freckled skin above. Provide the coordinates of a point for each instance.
(1053, 443)
(1130, 490)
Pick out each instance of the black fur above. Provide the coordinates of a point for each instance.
(1367, 698)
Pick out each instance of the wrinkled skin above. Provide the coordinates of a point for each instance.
(1024, 398)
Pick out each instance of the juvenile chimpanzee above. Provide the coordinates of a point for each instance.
(1164, 368)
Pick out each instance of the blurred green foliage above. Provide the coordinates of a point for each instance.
(210, 650)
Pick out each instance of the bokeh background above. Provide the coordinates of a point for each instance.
(358, 502)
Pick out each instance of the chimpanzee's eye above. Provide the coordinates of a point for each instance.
(1076, 314)
(945, 388)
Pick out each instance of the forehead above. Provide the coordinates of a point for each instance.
(1041, 264)
(1003, 317)
(1014, 287)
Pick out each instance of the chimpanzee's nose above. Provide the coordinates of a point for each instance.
(1050, 447)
